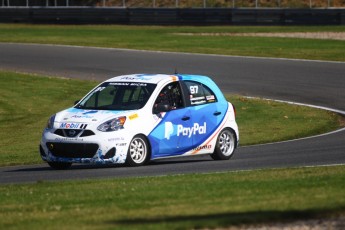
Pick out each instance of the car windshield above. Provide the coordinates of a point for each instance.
(118, 96)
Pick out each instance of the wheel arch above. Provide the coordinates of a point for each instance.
(217, 153)
(129, 160)
(148, 143)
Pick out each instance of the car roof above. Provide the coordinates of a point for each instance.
(164, 78)
(145, 78)
(156, 78)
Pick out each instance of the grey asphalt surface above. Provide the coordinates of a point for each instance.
(311, 82)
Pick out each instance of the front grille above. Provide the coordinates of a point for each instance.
(72, 150)
(87, 133)
(59, 132)
(73, 132)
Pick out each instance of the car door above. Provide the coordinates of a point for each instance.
(207, 112)
(172, 136)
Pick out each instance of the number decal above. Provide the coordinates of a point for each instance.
(194, 89)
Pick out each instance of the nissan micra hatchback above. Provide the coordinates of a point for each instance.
(137, 118)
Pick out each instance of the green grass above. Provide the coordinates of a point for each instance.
(176, 202)
(27, 101)
(167, 39)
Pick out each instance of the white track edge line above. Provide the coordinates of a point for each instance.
(341, 112)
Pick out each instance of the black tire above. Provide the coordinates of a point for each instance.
(225, 146)
(138, 151)
(60, 165)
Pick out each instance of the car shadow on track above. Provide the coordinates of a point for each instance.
(46, 167)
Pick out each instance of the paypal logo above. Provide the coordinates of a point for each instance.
(184, 131)
(169, 130)
(189, 131)
(143, 77)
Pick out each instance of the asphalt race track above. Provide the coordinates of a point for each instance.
(311, 82)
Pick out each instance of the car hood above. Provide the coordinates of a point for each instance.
(74, 115)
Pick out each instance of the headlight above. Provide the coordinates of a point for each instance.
(50, 123)
(112, 125)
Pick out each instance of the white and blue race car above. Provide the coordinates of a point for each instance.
(136, 118)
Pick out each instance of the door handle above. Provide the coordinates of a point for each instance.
(217, 113)
(185, 118)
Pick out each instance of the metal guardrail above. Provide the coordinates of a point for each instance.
(177, 3)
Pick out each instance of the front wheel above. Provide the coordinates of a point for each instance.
(225, 146)
(138, 151)
(60, 165)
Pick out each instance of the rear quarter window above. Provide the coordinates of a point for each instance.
(199, 94)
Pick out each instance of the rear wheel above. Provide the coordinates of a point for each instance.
(138, 151)
(225, 146)
(60, 165)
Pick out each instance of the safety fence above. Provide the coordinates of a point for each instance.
(178, 3)
(172, 16)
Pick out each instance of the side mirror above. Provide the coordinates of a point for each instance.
(76, 102)
(162, 107)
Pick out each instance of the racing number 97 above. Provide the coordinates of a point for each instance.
(194, 89)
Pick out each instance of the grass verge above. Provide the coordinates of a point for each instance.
(168, 39)
(176, 202)
(27, 101)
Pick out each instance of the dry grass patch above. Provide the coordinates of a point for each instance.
(308, 35)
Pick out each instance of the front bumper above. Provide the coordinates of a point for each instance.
(100, 148)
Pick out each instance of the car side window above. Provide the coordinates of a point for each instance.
(171, 95)
(199, 94)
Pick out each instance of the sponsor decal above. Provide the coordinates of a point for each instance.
(120, 144)
(70, 125)
(189, 131)
(210, 97)
(197, 100)
(128, 83)
(133, 116)
(202, 147)
(169, 130)
(119, 83)
(138, 84)
(116, 139)
(82, 116)
(143, 77)
(184, 131)
(68, 139)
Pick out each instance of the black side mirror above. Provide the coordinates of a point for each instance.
(162, 107)
(76, 102)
